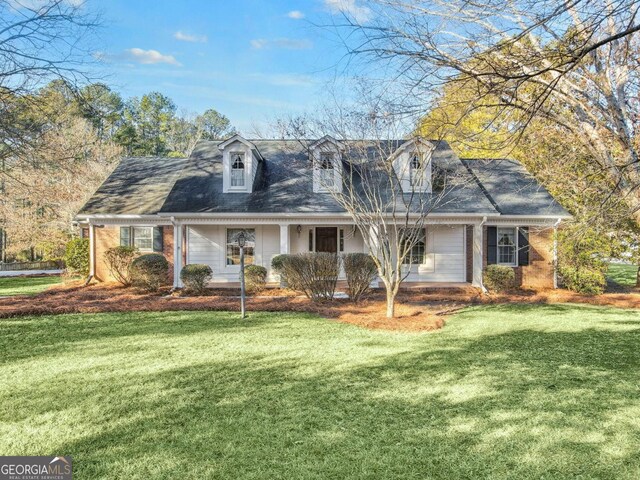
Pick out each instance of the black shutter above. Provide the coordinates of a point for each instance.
(523, 246)
(157, 239)
(492, 245)
(125, 236)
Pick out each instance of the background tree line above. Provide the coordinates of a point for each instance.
(71, 140)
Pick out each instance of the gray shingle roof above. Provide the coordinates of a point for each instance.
(137, 186)
(284, 183)
(150, 185)
(512, 189)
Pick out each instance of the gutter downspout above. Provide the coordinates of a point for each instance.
(482, 287)
(177, 254)
(92, 252)
(555, 253)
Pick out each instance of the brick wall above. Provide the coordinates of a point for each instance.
(539, 273)
(105, 238)
(109, 236)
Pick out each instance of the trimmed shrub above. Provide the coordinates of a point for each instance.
(255, 278)
(315, 274)
(119, 260)
(76, 256)
(499, 278)
(195, 277)
(360, 270)
(277, 264)
(589, 281)
(149, 272)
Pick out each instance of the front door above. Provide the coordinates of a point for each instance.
(327, 239)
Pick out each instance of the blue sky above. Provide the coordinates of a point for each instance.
(253, 60)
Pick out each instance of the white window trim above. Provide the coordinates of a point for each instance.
(516, 249)
(406, 264)
(333, 156)
(243, 187)
(226, 243)
(133, 237)
(416, 174)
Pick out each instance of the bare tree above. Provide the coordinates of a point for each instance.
(42, 195)
(40, 42)
(574, 63)
(388, 182)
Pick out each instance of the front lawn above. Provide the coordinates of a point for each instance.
(26, 285)
(622, 274)
(501, 392)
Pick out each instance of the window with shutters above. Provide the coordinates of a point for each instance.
(145, 239)
(507, 246)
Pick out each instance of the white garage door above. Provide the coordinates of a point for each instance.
(445, 260)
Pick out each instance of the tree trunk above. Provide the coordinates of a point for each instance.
(638, 277)
(391, 303)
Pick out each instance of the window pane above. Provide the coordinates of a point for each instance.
(507, 246)
(233, 250)
(414, 171)
(237, 178)
(418, 250)
(237, 170)
(326, 161)
(143, 238)
(326, 178)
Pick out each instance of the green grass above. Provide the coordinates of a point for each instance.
(513, 392)
(624, 275)
(26, 285)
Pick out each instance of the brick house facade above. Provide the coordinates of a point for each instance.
(108, 236)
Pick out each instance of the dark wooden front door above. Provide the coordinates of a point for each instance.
(327, 239)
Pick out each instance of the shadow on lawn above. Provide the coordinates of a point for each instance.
(57, 334)
(522, 404)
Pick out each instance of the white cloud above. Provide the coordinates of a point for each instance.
(350, 8)
(286, 43)
(295, 14)
(188, 37)
(150, 57)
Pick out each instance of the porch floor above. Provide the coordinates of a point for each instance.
(342, 285)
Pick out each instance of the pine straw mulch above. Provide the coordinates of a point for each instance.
(417, 310)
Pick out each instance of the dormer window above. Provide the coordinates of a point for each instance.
(327, 175)
(240, 160)
(237, 170)
(327, 165)
(412, 165)
(415, 175)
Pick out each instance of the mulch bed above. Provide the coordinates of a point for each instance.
(417, 310)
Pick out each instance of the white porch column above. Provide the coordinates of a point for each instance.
(284, 238)
(477, 256)
(177, 255)
(374, 232)
(92, 250)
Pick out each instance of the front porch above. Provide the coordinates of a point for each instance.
(452, 252)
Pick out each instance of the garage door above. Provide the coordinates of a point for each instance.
(445, 259)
